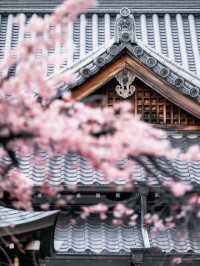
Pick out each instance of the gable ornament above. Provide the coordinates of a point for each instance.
(125, 27)
(125, 88)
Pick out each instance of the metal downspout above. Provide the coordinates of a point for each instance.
(144, 231)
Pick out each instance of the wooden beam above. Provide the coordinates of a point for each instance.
(99, 80)
(163, 88)
(145, 75)
(29, 227)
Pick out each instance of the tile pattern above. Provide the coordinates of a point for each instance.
(72, 169)
(174, 35)
(10, 217)
(93, 236)
(105, 4)
(181, 240)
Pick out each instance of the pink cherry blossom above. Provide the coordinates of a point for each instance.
(177, 261)
(193, 154)
(178, 188)
(100, 209)
(104, 136)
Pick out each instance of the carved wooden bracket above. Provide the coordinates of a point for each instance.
(125, 88)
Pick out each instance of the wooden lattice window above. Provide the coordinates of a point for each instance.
(152, 107)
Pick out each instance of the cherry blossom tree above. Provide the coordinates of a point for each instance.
(29, 107)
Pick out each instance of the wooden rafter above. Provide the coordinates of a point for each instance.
(145, 75)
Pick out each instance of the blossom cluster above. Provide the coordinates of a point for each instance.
(29, 108)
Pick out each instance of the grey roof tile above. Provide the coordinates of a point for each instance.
(181, 240)
(93, 236)
(105, 4)
(72, 169)
(172, 46)
(11, 217)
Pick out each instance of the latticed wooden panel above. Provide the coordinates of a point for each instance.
(152, 107)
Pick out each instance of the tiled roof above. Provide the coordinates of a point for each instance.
(72, 169)
(93, 236)
(105, 4)
(15, 221)
(176, 36)
(179, 79)
(182, 240)
(10, 217)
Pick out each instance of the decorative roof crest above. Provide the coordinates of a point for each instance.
(125, 26)
(125, 79)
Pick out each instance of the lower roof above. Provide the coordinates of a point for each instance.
(16, 222)
(92, 236)
(72, 169)
(97, 237)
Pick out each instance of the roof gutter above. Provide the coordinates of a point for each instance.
(144, 231)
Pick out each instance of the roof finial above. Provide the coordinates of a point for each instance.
(125, 26)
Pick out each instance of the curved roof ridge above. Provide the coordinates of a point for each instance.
(90, 65)
(150, 5)
(17, 221)
(173, 35)
(86, 59)
(187, 74)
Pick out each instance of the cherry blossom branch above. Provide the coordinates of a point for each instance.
(36, 119)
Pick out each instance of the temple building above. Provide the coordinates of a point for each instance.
(147, 52)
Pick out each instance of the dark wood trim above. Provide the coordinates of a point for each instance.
(162, 87)
(29, 227)
(98, 80)
(145, 75)
(89, 260)
(179, 128)
(140, 257)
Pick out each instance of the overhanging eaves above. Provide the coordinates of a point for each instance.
(183, 83)
(17, 222)
(161, 78)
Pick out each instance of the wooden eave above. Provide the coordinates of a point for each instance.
(143, 257)
(28, 227)
(126, 60)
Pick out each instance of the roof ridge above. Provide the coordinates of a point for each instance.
(105, 4)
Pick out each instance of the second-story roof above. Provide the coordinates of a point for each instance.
(171, 28)
(30, 5)
(72, 169)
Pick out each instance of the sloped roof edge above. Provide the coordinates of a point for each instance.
(15, 221)
(125, 38)
(86, 177)
(67, 240)
(180, 79)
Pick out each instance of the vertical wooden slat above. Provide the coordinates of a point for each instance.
(135, 102)
(179, 117)
(165, 112)
(152, 107)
